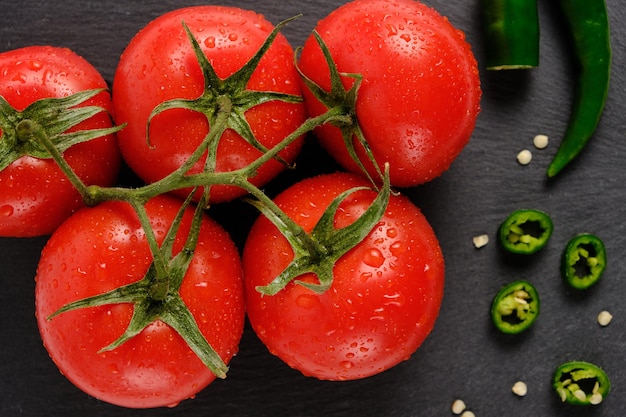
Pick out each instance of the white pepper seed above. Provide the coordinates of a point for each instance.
(604, 318)
(595, 399)
(524, 157)
(520, 389)
(458, 406)
(580, 394)
(596, 388)
(480, 241)
(540, 141)
(468, 413)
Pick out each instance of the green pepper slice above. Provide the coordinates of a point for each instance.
(584, 261)
(516, 307)
(581, 383)
(589, 29)
(511, 30)
(525, 231)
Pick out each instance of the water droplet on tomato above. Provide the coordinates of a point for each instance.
(35, 65)
(346, 364)
(307, 301)
(397, 248)
(396, 299)
(20, 77)
(391, 30)
(113, 368)
(232, 37)
(6, 211)
(374, 257)
(209, 42)
(365, 276)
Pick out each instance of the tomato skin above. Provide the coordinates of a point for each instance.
(101, 248)
(383, 301)
(35, 195)
(159, 65)
(420, 95)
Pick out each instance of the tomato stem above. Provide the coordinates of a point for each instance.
(284, 223)
(160, 287)
(318, 251)
(343, 101)
(35, 130)
(224, 103)
(156, 296)
(53, 116)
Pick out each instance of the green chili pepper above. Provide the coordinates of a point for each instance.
(584, 261)
(581, 383)
(526, 231)
(589, 26)
(511, 33)
(515, 307)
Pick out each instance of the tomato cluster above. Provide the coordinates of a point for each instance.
(140, 296)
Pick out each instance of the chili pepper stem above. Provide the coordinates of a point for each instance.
(511, 33)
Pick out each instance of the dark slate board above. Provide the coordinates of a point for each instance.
(464, 357)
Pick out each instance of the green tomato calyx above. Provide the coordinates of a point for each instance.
(54, 116)
(318, 251)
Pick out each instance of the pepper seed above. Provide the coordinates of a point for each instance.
(524, 157)
(458, 406)
(540, 141)
(604, 318)
(520, 389)
(580, 394)
(480, 241)
(595, 399)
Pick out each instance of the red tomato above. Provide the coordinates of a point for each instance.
(35, 196)
(384, 298)
(420, 95)
(101, 248)
(159, 65)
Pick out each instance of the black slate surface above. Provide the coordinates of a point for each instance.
(464, 357)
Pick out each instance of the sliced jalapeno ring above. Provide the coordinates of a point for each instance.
(584, 261)
(526, 231)
(581, 383)
(515, 308)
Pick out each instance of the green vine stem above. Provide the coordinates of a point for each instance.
(319, 250)
(344, 102)
(155, 296)
(54, 116)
